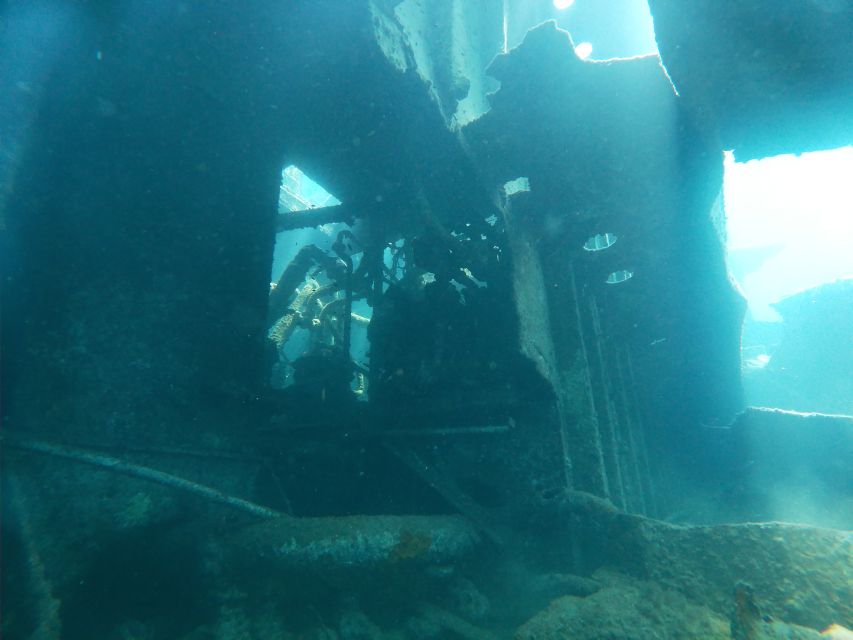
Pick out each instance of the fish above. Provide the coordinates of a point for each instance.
(748, 623)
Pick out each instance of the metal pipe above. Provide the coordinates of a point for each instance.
(609, 424)
(352, 542)
(593, 438)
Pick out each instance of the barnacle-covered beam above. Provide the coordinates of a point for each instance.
(352, 542)
(291, 220)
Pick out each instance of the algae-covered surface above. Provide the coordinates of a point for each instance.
(626, 608)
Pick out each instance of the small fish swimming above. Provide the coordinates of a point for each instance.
(748, 623)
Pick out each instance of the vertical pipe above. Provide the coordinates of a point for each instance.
(630, 428)
(652, 502)
(609, 425)
(568, 469)
(593, 437)
(348, 309)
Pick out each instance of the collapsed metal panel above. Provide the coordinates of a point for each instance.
(768, 77)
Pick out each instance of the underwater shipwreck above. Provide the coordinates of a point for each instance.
(364, 319)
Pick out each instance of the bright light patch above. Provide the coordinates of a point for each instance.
(600, 242)
(563, 4)
(789, 222)
(298, 192)
(583, 50)
(618, 277)
(621, 32)
(518, 185)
